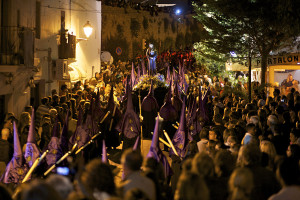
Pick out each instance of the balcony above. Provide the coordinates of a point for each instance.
(16, 46)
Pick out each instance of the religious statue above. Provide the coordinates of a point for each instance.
(151, 55)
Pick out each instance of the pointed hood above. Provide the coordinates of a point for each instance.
(183, 84)
(64, 143)
(168, 79)
(138, 73)
(111, 95)
(149, 102)
(192, 121)
(15, 170)
(130, 125)
(124, 98)
(201, 112)
(55, 131)
(31, 151)
(129, 100)
(180, 71)
(17, 145)
(143, 67)
(80, 135)
(167, 111)
(174, 76)
(55, 152)
(97, 113)
(155, 151)
(169, 94)
(176, 101)
(132, 77)
(154, 143)
(136, 144)
(200, 98)
(104, 153)
(180, 139)
(31, 137)
(182, 117)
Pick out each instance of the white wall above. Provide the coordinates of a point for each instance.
(279, 77)
(17, 94)
(76, 15)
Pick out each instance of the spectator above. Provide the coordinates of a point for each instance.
(97, 179)
(5, 150)
(42, 110)
(265, 183)
(136, 194)
(39, 190)
(202, 144)
(288, 175)
(191, 186)
(131, 163)
(241, 184)
(250, 135)
(61, 184)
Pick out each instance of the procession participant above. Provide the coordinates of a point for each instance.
(149, 111)
(130, 127)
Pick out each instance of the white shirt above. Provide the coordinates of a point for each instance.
(287, 193)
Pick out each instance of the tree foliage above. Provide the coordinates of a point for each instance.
(256, 26)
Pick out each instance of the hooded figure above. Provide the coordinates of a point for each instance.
(80, 135)
(201, 111)
(98, 113)
(104, 154)
(167, 111)
(169, 114)
(143, 67)
(133, 80)
(192, 116)
(182, 81)
(138, 73)
(130, 127)
(180, 139)
(180, 142)
(123, 102)
(149, 111)
(168, 79)
(136, 145)
(176, 101)
(31, 152)
(156, 153)
(111, 135)
(54, 148)
(15, 170)
(64, 140)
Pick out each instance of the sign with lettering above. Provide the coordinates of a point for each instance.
(236, 64)
(288, 59)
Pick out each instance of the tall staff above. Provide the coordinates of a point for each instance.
(113, 115)
(141, 119)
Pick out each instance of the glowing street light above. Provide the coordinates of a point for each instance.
(88, 29)
(178, 12)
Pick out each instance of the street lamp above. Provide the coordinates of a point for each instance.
(88, 29)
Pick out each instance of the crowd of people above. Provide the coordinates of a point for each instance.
(222, 146)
